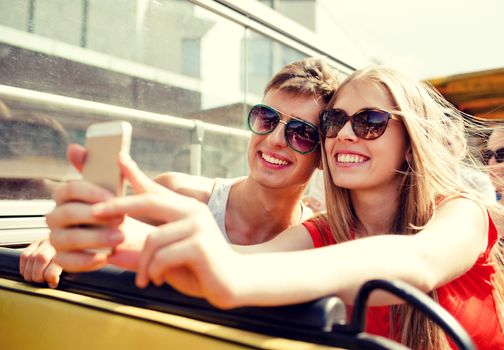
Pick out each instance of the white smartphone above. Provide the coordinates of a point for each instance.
(104, 143)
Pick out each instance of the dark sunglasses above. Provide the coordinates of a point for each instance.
(300, 135)
(367, 124)
(498, 154)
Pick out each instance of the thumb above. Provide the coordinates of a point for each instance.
(140, 182)
(76, 154)
(125, 257)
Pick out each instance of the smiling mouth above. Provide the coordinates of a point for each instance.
(273, 160)
(346, 158)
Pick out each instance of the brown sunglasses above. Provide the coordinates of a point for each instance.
(367, 124)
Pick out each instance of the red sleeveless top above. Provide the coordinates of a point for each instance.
(469, 298)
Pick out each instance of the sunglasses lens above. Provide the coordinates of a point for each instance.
(262, 120)
(486, 155)
(331, 122)
(370, 124)
(301, 137)
(499, 155)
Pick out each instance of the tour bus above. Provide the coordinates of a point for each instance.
(184, 74)
(480, 94)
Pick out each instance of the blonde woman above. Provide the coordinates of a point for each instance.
(396, 209)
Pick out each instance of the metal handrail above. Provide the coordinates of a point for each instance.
(72, 104)
(197, 127)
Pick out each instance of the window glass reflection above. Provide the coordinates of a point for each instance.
(168, 57)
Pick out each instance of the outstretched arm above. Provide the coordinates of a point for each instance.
(197, 187)
(189, 253)
(291, 239)
(441, 252)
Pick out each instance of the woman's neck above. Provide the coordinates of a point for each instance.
(375, 211)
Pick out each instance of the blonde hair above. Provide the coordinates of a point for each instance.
(430, 175)
(310, 76)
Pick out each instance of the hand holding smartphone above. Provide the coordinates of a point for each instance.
(104, 143)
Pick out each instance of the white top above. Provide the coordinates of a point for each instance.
(217, 203)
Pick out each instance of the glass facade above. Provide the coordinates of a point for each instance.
(65, 64)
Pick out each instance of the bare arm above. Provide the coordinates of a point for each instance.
(197, 187)
(444, 250)
(291, 239)
(190, 253)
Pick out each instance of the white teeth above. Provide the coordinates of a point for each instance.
(272, 160)
(350, 158)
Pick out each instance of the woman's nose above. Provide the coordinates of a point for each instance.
(346, 133)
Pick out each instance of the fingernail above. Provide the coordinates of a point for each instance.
(141, 282)
(116, 221)
(158, 282)
(116, 237)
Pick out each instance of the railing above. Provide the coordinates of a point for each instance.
(21, 221)
(197, 128)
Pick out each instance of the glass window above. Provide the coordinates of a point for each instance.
(301, 11)
(68, 63)
(191, 48)
(264, 58)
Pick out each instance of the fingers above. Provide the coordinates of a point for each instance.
(76, 154)
(166, 208)
(36, 264)
(140, 182)
(168, 234)
(75, 239)
(52, 274)
(80, 191)
(126, 257)
(80, 261)
(41, 258)
(71, 245)
(127, 254)
(171, 257)
(146, 205)
(77, 214)
(25, 257)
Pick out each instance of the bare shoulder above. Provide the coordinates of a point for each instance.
(198, 187)
(462, 206)
(459, 221)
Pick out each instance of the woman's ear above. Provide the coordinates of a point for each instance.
(409, 156)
